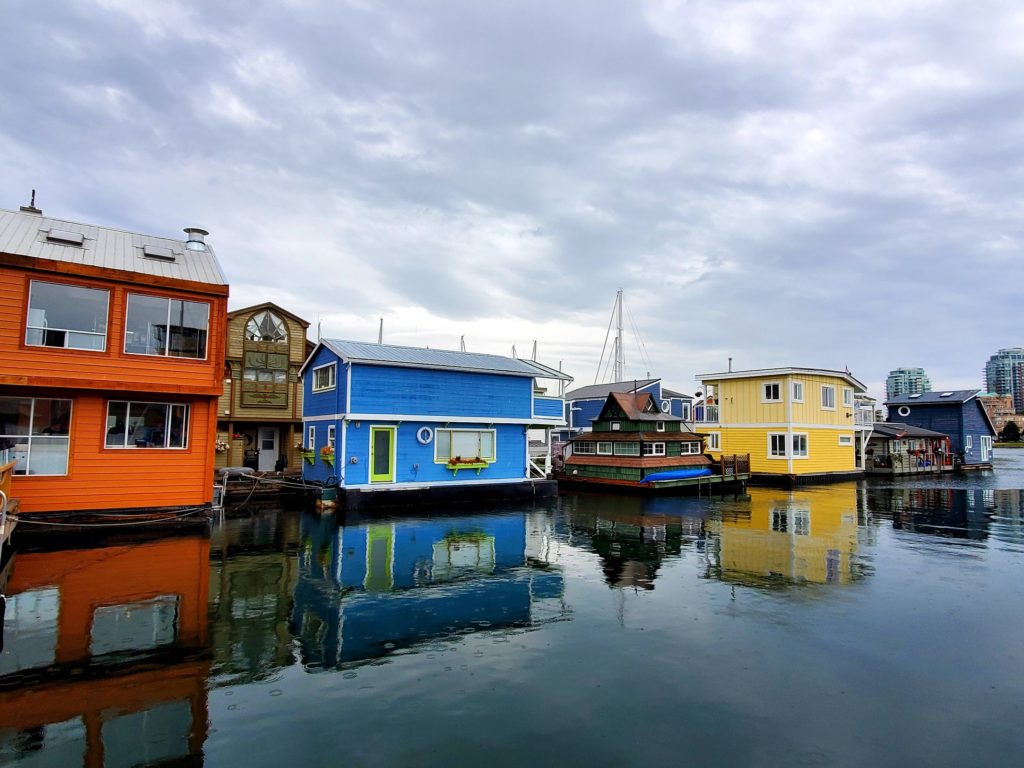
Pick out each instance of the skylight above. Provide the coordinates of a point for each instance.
(65, 237)
(946, 394)
(913, 397)
(158, 252)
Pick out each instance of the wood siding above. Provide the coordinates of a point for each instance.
(824, 454)
(740, 401)
(108, 478)
(112, 369)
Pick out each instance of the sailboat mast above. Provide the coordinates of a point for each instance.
(620, 356)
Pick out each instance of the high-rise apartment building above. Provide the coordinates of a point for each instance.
(1004, 375)
(907, 381)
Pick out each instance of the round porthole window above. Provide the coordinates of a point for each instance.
(424, 435)
(903, 410)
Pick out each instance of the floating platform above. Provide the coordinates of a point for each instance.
(328, 498)
(698, 485)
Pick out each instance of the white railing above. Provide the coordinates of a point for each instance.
(706, 414)
(864, 417)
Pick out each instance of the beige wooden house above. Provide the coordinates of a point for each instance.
(259, 414)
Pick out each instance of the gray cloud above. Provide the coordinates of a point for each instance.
(826, 185)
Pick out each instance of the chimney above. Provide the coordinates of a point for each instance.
(31, 207)
(195, 238)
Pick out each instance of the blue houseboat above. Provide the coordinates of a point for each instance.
(432, 423)
(958, 414)
(584, 404)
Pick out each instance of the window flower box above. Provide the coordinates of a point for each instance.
(327, 455)
(309, 456)
(459, 462)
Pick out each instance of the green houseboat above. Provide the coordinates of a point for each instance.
(635, 445)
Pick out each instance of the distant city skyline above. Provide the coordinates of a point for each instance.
(907, 381)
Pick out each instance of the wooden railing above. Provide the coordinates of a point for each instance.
(735, 464)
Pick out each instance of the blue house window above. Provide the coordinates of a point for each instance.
(463, 443)
(325, 377)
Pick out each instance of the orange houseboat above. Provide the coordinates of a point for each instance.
(113, 353)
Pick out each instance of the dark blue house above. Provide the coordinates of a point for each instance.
(958, 414)
(582, 405)
(382, 417)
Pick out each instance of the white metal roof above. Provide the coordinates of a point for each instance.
(419, 357)
(763, 372)
(26, 234)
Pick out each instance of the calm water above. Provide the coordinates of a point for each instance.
(861, 624)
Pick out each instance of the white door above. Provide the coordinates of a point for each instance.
(267, 448)
(986, 447)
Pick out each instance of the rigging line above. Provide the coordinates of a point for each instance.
(639, 339)
(606, 335)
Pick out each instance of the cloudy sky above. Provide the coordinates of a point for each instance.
(823, 184)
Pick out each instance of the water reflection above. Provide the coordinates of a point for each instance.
(782, 537)
(253, 573)
(103, 657)
(365, 591)
(634, 536)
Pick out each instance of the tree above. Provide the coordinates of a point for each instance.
(1010, 433)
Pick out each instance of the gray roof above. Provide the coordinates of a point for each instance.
(601, 391)
(25, 234)
(419, 357)
(934, 398)
(672, 393)
(896, 429)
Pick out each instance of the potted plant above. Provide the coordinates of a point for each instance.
(458, 462)
(327, 455)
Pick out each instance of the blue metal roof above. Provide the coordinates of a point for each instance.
(419, 357)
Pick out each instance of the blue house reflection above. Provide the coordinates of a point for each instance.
(364, 591)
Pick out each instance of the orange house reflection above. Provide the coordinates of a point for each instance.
(104, 657)
(788, 537)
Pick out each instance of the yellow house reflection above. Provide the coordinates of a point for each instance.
(788, 536)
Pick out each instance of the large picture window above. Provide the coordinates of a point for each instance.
(68, 316)
(146, 425)
(465, 444)
(168, 327)
(627, 449)
(35, 434)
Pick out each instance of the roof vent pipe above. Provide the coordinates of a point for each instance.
(730, 365)
(195, 238)
(31, 207)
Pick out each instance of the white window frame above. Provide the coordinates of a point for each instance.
(847, 397)
(766, 396)
(67, 331)
(451, 440)
(685, 411)
(846, 439)
(807, 445)
(659, 426)
(311, 437)
(604, 448)
(831, 389)
(27, 439)
(332, 371)
(167, 341)
(652, 449)
(797, 388)
(616, 426)
(968, 442)
(187, 425)
(772, 454)
(620, 449)
(332, 432)
(714, 441)
(689, 449)
(584, 448)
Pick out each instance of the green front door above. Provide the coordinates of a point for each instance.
(382, 454)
